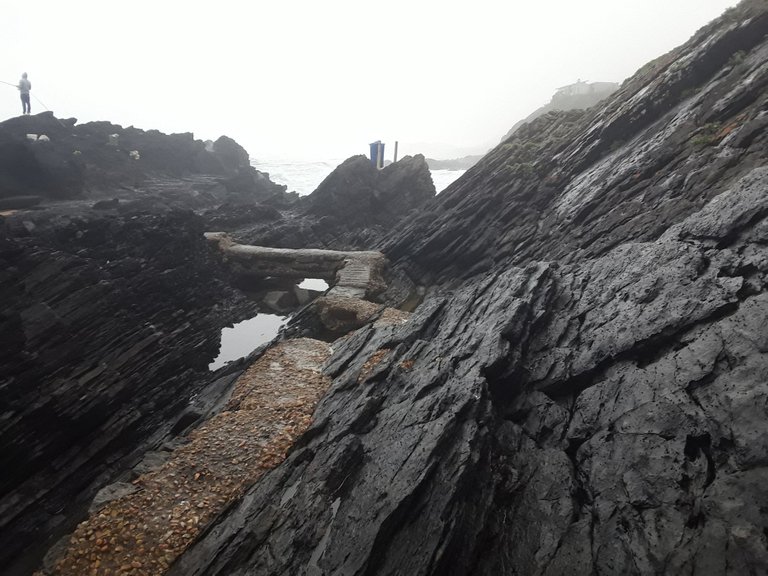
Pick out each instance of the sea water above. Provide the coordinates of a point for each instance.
(444, 178)
(304, 176)
(299, 176)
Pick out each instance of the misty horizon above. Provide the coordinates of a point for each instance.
(309, 81)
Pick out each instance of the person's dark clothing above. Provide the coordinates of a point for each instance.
(25, 105)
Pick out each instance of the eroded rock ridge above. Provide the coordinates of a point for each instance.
(585, 392)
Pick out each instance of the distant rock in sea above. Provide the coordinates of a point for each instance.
(455, 164)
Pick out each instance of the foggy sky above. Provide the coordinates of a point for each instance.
(309, 79)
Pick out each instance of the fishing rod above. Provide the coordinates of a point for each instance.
(36, 98)
(41, 104)
(33, 96)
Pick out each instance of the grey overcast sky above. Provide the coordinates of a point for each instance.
(316, 79)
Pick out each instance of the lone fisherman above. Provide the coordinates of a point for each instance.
(24, 87)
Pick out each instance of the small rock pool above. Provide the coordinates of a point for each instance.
(244, 337)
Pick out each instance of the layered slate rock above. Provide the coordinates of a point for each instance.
(107, 325)
(606, 417)
(573, 185)
(584, 389)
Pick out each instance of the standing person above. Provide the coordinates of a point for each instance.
(24, 87)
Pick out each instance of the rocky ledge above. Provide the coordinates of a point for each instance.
(113, 304)
(573, 185)
(47, 158)
(108, 324)
(584, 389)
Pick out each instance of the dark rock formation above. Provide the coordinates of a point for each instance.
(230, 153)
(111, 304)
(70, 160)
(576, 419)
(573, 185)
(30, 167)
(591, 397)
(582, 391)
(107, 326)
(356, 193)
(353, 208)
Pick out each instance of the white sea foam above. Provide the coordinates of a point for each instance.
(444, 178)
(304, 176)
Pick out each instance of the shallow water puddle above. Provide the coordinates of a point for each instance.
(244, 337)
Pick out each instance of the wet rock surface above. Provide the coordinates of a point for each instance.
(605, 417)
(108, 323)
(112, 306)
(584, 392)
(573, 185)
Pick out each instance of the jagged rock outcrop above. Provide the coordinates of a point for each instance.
(584, 391)
(230, 153)
(107, 323)
(32, 168)
(353, 208)
(573, 185)
(603, 417)
(356, 193)
(69, 160)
